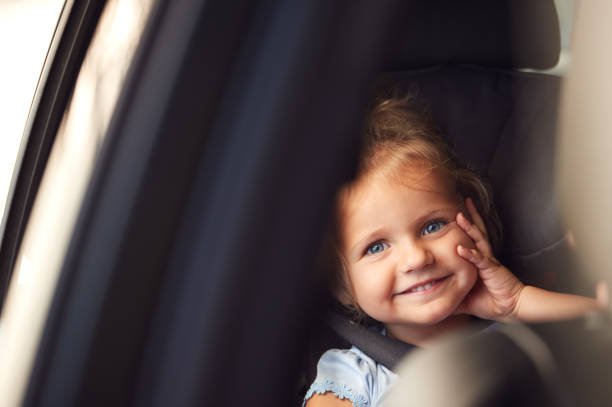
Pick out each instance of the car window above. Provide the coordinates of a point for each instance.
(565, 13)
(32, 22)
(63, 186)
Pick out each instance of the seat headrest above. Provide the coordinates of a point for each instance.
(495, 33)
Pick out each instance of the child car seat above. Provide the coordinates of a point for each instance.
(464, 60)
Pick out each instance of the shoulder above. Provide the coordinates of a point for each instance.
(343, 360)
(351, 374)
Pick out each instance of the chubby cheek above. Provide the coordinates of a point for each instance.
(462, 238)
(446, 247)
(470, 276)
(371, 285)
(467, 270)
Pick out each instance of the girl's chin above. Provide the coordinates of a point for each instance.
(436, 319)
(439, 314)
(425, 319)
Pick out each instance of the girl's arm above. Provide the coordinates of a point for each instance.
(500, 295)
(537, 305)
(327, 400)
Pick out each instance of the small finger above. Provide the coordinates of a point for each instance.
(476, 218)
(474, 233)
(475, 257)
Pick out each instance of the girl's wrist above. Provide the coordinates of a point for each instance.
(515, 311)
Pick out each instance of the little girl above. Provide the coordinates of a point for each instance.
(416, 255)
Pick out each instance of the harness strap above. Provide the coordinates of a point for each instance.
(386, 351)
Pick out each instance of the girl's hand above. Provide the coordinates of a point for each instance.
(496, 293)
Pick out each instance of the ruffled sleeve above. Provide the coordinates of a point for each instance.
(350, 374)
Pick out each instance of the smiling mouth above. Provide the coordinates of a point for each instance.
(425, 287)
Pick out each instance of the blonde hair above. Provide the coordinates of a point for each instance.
(400, 132)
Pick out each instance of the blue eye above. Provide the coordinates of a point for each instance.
(433, 227)
(376, 247)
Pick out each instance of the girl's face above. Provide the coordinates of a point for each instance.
(400, 244)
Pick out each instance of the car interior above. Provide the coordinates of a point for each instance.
(481, 69)
(189, 270)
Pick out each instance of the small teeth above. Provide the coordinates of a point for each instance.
(423, 287)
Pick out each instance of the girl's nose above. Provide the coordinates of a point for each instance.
(414, 257)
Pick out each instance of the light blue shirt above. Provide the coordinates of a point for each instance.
(351, 374)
